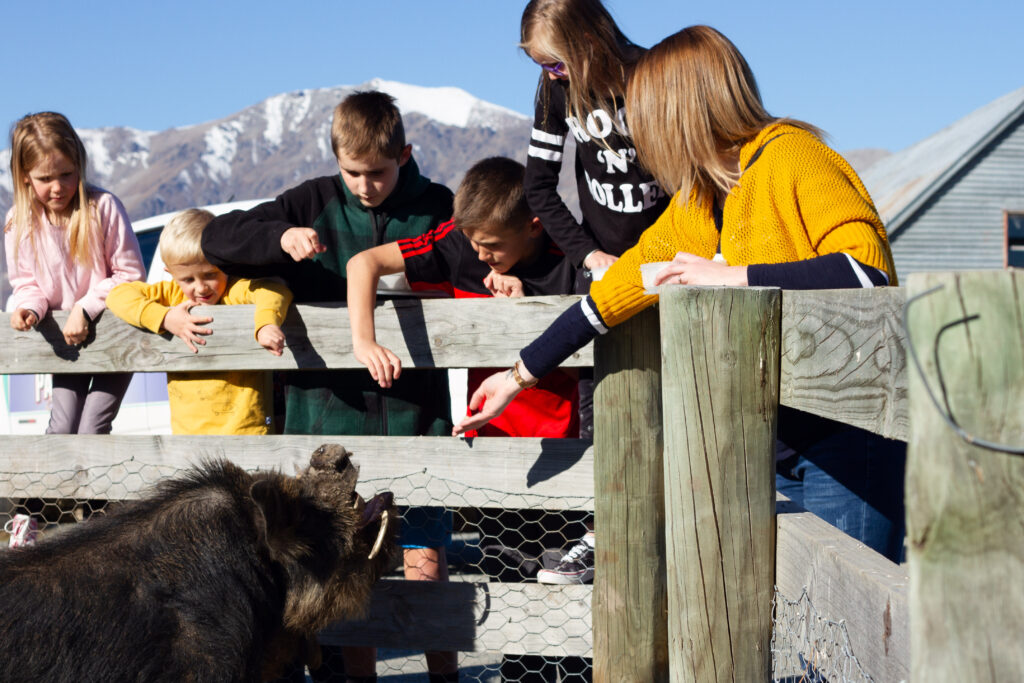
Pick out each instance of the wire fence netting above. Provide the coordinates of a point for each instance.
(528, 559)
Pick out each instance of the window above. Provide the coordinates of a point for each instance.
(1015, 239)
(148, 241)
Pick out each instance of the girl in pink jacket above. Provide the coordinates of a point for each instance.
(67, 244)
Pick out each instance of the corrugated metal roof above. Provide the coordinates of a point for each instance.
(904, 181)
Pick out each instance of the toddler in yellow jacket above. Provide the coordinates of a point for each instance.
(227, 402)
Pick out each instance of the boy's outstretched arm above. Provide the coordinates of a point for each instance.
(364, 271)
(257, 242)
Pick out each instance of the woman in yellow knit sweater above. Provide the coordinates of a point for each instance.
(758, 201)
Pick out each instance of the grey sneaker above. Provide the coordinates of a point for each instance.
(576, 566)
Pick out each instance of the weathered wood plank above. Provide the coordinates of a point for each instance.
(439, 333)
(845, 581)
(965, 514)
(630, 633)
(512, 618)
(554, 474)
(842, 349)
(720, 350)
(843, 357)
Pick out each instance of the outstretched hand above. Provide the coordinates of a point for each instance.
(491, 398)
(301, 243)
(182, 324)
(383, 364)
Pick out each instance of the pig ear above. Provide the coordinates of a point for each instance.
(330, 457)
(273, 517)
(334, 458)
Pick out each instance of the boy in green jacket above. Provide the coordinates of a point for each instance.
(307, 235)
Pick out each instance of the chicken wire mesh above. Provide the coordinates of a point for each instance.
(495, 542)
(810, 648)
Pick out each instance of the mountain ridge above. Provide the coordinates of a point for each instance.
(274, 144)
(271, 145)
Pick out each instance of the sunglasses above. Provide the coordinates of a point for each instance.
(558, 69)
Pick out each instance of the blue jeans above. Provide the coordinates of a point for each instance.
(853, 480)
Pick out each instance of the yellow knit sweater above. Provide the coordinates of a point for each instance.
(226, 402)
(799, 200)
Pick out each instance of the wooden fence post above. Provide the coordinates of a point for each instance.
(965, 510)
(628, 607)
(720, 356)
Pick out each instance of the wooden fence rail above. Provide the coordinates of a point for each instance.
(840, 355)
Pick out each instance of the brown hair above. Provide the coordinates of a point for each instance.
(33, 137)
(692, 98)
(179, 240)
(491, 196)
(368, 123)
(582, 35)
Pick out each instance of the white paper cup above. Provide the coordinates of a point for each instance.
(648, 271)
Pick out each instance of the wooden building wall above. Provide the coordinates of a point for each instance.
(961, 227)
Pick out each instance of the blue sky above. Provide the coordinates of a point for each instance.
(871, 73)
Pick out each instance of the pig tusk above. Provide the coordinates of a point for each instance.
(380, 535)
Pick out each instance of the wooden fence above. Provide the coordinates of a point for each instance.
(691, 537)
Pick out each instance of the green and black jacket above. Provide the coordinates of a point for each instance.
(248, 244)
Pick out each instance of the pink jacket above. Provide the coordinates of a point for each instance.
(50, 280)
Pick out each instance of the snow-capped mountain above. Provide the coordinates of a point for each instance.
(272, 145)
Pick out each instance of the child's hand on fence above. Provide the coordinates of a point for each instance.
(23, 319)
(76, 328)
(182, 324)
(490, 398)
(503, 285)
(384, 366)
(271, 337)
(301, 243)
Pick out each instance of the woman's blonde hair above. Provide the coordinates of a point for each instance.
(691, 103)
(34, 137)
(583, 36)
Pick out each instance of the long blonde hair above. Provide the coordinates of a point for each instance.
(33, 137)
(582, 35)
(692, 102)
